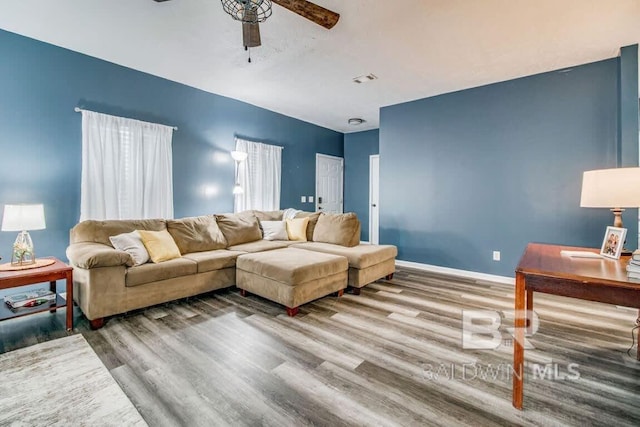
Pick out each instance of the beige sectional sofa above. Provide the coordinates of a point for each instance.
(107, 281)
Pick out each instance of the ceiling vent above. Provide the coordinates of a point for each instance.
(364, 79)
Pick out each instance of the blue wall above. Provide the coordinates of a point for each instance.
(498, 166)
(358, 147)
(628, 107)
(40, 135)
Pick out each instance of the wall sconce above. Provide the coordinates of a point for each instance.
(22, 218)
(238, 157)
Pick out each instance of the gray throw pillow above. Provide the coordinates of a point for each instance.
(131, 244)
(274, 230)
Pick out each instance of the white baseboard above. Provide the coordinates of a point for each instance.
(456, 272)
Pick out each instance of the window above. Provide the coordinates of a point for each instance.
(259, 176)
(126, 168)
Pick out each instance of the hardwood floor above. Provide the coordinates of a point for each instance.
(390, 356)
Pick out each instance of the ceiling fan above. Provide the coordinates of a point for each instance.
(252, 12)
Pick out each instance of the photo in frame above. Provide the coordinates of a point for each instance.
(613, 242)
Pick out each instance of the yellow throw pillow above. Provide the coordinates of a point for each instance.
(160, 245)
(297, 229)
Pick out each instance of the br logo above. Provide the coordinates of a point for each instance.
(484, 330)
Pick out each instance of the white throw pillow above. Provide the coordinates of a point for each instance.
(131, 244)
(274, 230)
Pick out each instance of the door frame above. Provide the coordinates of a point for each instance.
(371, 159)
(327, 156)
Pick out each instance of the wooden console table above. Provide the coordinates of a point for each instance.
(543, 268)
(50, 273)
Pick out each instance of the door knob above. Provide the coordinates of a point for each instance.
(374, 205)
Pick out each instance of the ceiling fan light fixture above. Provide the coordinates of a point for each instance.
(356, 121)
(249, 11)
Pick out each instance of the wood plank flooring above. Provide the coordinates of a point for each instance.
(391, 356)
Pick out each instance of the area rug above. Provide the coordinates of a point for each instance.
(61, 382)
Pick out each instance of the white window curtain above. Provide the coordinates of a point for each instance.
(259, 176)
(126, 168)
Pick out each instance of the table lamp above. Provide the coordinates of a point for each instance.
(615, 189)
(22, 218)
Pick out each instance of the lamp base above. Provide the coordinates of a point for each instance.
(617, 217)
(23, 253)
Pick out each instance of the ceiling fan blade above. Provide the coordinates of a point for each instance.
(311, 11)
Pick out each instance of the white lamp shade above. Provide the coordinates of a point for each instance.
(23, 217)
(239, 156)
(611, 188)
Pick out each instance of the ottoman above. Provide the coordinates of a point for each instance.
(291, 277)
(367, 263)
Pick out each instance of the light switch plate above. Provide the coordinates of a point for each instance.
(303, 199)
(310, 199)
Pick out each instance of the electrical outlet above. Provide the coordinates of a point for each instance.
(310, 199)
(496, 255)
(303, 199)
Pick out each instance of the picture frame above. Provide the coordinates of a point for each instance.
(613, 242)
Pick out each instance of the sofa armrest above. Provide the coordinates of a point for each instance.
(92, 255)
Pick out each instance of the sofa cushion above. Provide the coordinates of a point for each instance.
(160, 245)
(360, 257)
(94, 255)
(196, 234)
(131, 244)
(274, 230)
(147, 273)
(268, 215)
(258, 246)
(292, 266)
(240, 228)
(297, 229)
(313, 220)
(100, 231)
(339, 229)
(214, 260)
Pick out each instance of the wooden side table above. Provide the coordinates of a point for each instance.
(50, 273)
(544, 269)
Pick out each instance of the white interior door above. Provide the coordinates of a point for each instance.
(329, 183)
(374, 199)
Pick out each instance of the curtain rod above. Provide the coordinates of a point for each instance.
(258, 142)
(78, 110)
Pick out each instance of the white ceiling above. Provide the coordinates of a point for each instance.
(416, 48)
